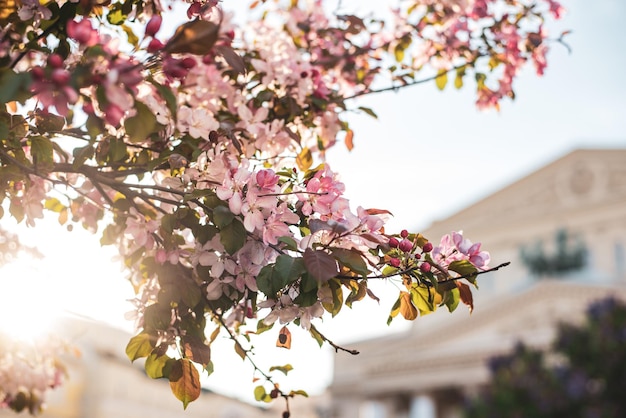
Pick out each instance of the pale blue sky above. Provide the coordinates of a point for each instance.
(431, 153)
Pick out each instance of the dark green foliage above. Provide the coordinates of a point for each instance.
(583, 376)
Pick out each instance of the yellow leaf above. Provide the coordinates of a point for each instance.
(442, 79)
(304, 159)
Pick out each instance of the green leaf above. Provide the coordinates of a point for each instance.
(185, 381)
(14, 86)
(260, 394)
(140, 126)
(357, 294)
(320, 265)
(285, 369)
(261, 327)
(351, 259)
(442, 79)
(117, 150)
(289, 242)
(274, 277)
(167, 95)
(139, 346)
(368, 111)
(222, 216)
(337, 293)
(82, 154)
(298, 392)
(423, 298)
(156, 365)
(464, 268)
(451, 299)
(395, 310)
(316, 335)
(42, 152)
(233, 237)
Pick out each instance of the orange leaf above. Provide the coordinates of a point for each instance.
(185, 381)
(284, 338)
(349, 139)
(407, 309)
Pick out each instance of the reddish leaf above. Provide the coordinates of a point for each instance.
(320, 265)
(466, 295)
(232, 58)
(195, 37)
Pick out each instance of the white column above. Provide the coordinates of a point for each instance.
(423, 406)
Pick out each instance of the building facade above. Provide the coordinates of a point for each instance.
(563, 228)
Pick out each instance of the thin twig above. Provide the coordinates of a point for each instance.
(335, 346)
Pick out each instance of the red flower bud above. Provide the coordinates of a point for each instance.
(60, 77)
(425, 267)
(55, 61)
(153, 25)
(395, 262)
(155, 46)
(405, 245)
(38, 73)
(393, 242)
(404, 233)
(428, 247)
(188, 63)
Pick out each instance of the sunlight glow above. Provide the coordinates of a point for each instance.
(27, 305)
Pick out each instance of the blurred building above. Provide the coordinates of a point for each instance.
(563, 228)
(103, 383)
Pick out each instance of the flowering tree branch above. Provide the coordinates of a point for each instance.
(200, 156)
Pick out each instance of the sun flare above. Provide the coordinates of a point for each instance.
(26, 301)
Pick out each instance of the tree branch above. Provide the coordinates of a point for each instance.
(335, 346)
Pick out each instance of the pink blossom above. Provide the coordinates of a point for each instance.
(82, 32)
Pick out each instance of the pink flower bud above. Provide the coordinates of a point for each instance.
(405, 245)
(88, 108)
(55, 61)
(155, 46)
(188, 63)
(60, 77)
(38, 73)
(393, 242)
(395, 262)
(153, 25)
(425, 267)
(428, 247)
